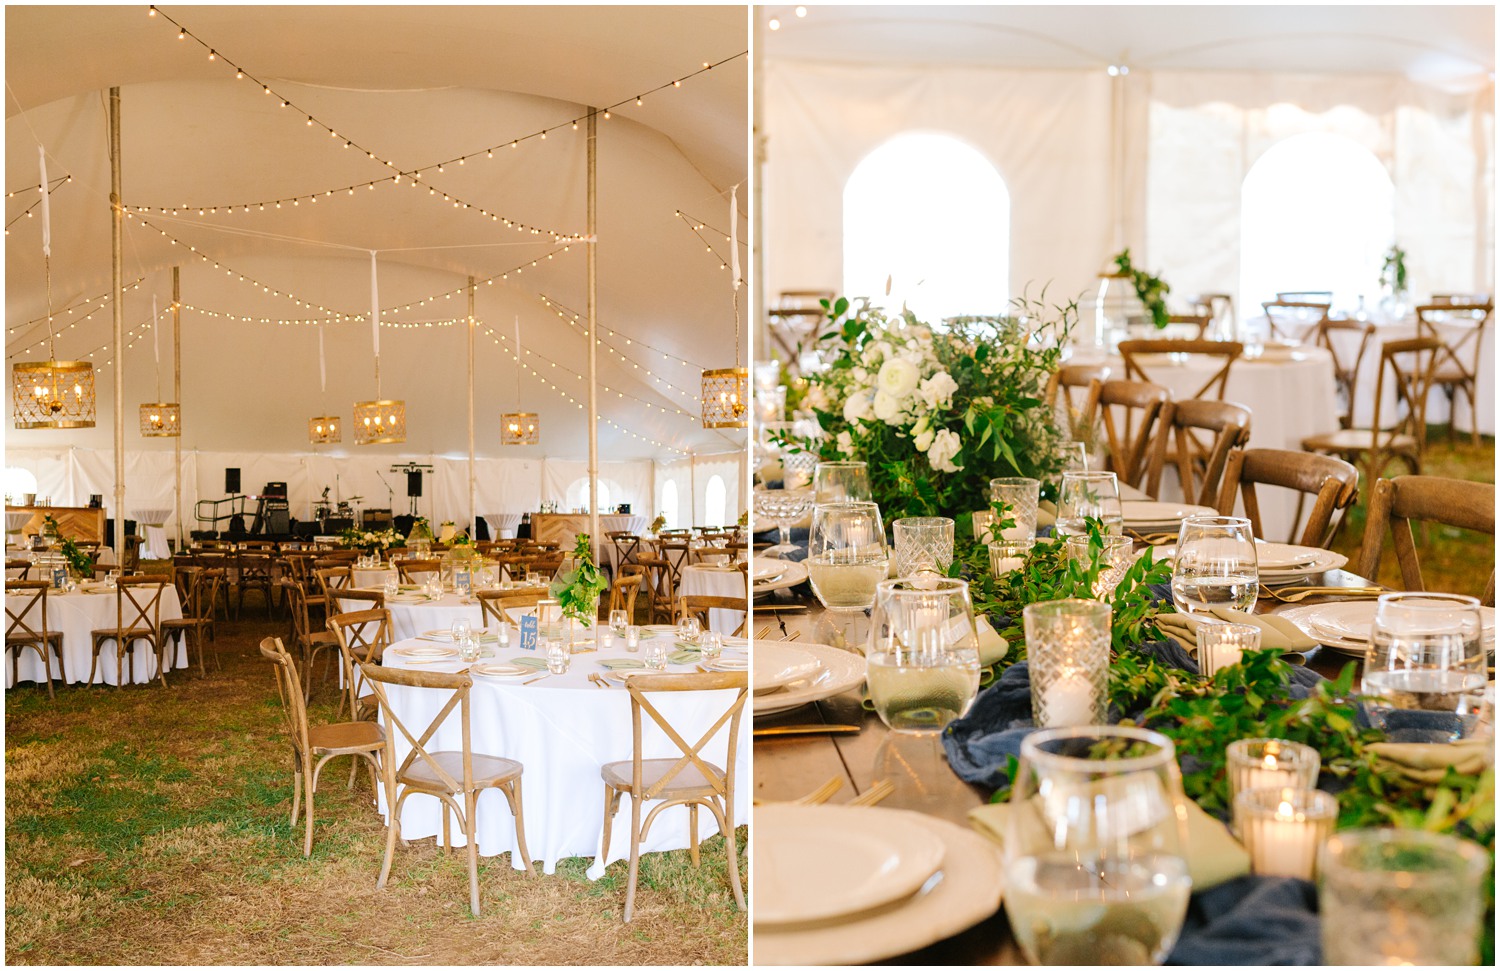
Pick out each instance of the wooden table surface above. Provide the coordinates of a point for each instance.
(790, 766)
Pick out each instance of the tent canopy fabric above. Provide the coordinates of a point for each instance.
(411, 90)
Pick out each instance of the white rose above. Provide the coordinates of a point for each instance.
(898, 377)
(845, 443)
(887, 406)
(858, 407)
(924, 440)
(945, 445)
(937, 391)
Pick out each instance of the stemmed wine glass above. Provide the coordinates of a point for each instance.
(1215, 565)
(1095, 871)
(782, 507)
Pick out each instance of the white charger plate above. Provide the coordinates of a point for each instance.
(417, 652)
(1339, 625)
(780, 664)
(501, 671)
(965, 891)
(839, 671)
(764, 571)
(816, 863)
(793, 572)
(445, 635)
(1148, 512)
(728, 665)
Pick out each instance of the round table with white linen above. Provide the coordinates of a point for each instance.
(413, 614)
(154, 544)
(715, 581)
(563, 729)
(1437, 402)
(502, 524)
(77, 615)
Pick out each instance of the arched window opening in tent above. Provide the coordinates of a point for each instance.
(715, 501)
(19, 483)
(931, 213)
(578, 494)
(668, 508)
(1317, 212)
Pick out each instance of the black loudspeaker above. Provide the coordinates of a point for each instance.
(232, 481)
(414, 485)
(275, 490)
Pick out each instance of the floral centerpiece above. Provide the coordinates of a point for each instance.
(419, 539)
(1151, 290)
(80, 564)
(370, 541)
(578, 590)
(657, 524)
(937, 412)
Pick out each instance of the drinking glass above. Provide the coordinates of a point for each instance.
(783, 507)
(922, 663)
(923, 543)
(847, 555)
(711, 645)
(468, 646)
(689, 629)
(618, 621)
(1424, 676)
(1089, 495)
(656, 654)
(1019, 497)
(1214, 565)
(841, 482)
(1094, 866)
(1400, 896)
(390, 586)
(460, 629)
(1116, 554)
(559, 655)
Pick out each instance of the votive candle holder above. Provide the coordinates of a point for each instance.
(1008, 555)
(1283, 829)
(1067, 645)
(1222, 645)
(1271, 763)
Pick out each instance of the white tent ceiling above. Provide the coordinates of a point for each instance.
(415, 86)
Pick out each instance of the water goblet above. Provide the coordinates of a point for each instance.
(841, 482)
(656, 654)
(847, 554)
(1424, 672)
(1089, 495)
(1214, 565)
(1094, 851)
(460, 629)
(922, 662)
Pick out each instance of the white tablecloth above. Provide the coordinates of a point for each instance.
(371, 579)
(502, 524)
(14, 523)
(77, 615)
(714, 581)
(563, 730)
(1437, 402)
(411, 619)
(154, 544)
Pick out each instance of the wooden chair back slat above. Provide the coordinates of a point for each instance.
(1127, 413)
(1394, 503)
(1331, 482)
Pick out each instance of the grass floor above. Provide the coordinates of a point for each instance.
(1452, 560)
(149, 826)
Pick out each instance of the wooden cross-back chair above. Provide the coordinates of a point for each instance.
(1332, 483)
(329, 579)
(415, 571)
(1460, 327)
(498, 604)
(1196, 437)
(449, 775)
(1199, 322)
(22, 568)
(688, 779)
(26, 627)
(1313, 297)
(699, 604)
(1224, 352)
(624, 589)
(137, 618)
(1425, 498)
(313, 746)
(198, 591)
(660, 589)
(1346, 342)
(1294, 320)
(1406, 367)
(253, 572)
(1067, 392)
(363, 636)
(310, 642)
(1127, 413)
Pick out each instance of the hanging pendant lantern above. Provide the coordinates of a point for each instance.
(324, 430)
(382, 421)
(725, 395)
(161, 419)
(519, 427)
(52, 393)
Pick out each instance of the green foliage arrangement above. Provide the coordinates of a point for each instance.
(1393, 270)
(1152, 290)
(578, 590)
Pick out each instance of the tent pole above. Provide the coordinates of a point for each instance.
(593, 265)
(473, 523)
(177, 397)
(117, 290)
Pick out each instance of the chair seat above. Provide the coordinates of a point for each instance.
(344, 737)
(1450, 375)
(116, 633)
(323, 638)
(185, 623)
(689, 782)
(488, 770)
(1356, 440)
(34, 637)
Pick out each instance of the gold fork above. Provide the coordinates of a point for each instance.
(1299, 594)
(874, 794)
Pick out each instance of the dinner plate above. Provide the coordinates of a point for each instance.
(815, 863)
(963, 892)
(445, 634)
(1345, 626)
(838, 672)
(780, 664)
(408, 598)
(417, 651)
(625, 674)
(764, 571)
(729, 664)
(1285, 556)
(1147, 512)
(501, 671)
(793, 573)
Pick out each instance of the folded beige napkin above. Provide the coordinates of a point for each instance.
(992, 647)
(1275, 631)
(1429, 763)
(1213, 856)
(1046, 513)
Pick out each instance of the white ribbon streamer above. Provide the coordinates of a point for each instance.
(734, 235)
(155, 329)
(41, 155)
(322, 362)
(374, 307)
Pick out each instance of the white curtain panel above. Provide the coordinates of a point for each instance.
(680, 475)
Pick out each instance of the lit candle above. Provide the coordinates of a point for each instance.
(982, 521)
(1069, 699)
(502, 635)
(1223, 645)
(1271, 763)
(1009, 555)
(1282, 829)
(632, 638)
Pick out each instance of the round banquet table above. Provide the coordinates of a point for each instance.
(715, 581)
(563, 729)
(502, 524)
(410, 618)
(77, 615)
(1437, 402)
(154, 544)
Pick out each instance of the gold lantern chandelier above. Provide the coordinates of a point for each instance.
(52, 393)
(323, 429)
(381, 421)
(519, 427)
(159, 419)
(726, 391)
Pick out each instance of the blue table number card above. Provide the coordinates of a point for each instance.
(528, 633)
(461, 582)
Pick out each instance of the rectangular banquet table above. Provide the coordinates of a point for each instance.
(77, 615)
(563, 729)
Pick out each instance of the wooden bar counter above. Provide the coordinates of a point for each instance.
(563, 528)
(81, 523)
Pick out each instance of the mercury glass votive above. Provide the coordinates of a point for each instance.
(1067, 644)
(1283, 829)
(1271, 763)
(1222, 645)
(1008, 555)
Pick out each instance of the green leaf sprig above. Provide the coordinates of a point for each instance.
(1151, 290)
(578, 590)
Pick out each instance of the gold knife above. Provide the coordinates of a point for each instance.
(807, 730)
